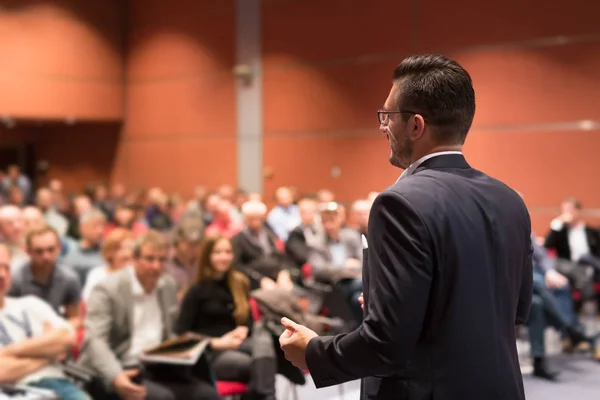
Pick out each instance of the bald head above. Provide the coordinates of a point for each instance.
(11, 224)
(32, 218)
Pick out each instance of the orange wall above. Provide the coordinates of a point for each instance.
(61, 59)
(180, 96)
(327, 69)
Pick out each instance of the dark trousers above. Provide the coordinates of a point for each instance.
(548, 308)
(352, 288)
(167, 387)
(254, 363)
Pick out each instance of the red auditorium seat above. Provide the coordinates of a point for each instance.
(80, 336)
(231, 389)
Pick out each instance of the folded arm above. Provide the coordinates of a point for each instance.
(48, 345)
(400, 262)
(13, 369)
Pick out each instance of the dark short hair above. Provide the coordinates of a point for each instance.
(441, 91)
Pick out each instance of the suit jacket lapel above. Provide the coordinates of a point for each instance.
(126, 294)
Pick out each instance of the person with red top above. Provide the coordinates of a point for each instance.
(222, 223)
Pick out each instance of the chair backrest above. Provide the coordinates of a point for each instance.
(307, 271)
(256, 314)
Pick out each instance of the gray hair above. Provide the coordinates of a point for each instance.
(91, 215)
(253, 207)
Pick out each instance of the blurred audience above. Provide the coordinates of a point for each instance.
(42, 277)
(117, 251)
(217, 306)
(34, 340)
(130, 311)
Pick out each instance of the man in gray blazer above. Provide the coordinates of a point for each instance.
(131, 311)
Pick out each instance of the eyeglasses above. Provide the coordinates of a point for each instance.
(384, 115)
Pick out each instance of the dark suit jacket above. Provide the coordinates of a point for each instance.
(559, 241)
(296, 247)
(447, 276)
(252, 261)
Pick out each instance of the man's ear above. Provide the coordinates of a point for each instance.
(418, 127)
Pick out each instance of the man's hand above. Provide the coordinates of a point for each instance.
(284, 280)
(293, 342)
(361, 300)
(267, 283)
(128, 390)
(555, 280)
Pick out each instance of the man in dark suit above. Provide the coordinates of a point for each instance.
(448, 271)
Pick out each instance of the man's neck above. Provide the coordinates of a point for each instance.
(186, 262)
(41, 275)
(1, 301)
(335, 236)
(436, 149)
(86, 244)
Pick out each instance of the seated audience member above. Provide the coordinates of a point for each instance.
(34, 219)
(209, 206)
(217, 306)
(128, 312)
(359, 216)
(81, 205)
(228, 192)
(222, 223)
(157, 212)
(45, 202)
(15, 179)
(551, 306)
(85, 254)
(285, 216)
(186, 238)
(325, 196)
(335, 255)
(124, 216)
(117, 250)
(12, 232)
(256, 254)
(572, 239)
(195, 204)
(44, 278)
(295, 247)
(32, 341)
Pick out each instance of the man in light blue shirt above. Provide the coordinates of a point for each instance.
(285, 216)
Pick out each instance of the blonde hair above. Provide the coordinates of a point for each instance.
(113, 241)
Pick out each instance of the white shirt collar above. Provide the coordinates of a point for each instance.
(136, 287)
(412, 167)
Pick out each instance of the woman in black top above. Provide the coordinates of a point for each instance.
(217, 306)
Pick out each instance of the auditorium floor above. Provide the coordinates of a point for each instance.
(579, 379)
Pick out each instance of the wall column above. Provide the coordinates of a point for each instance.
(249, 100)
